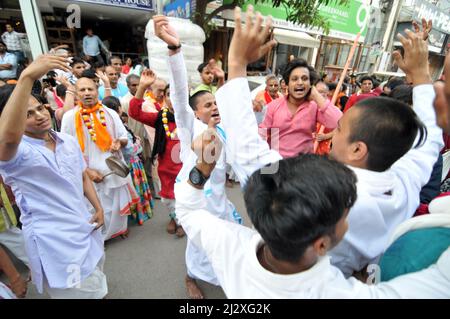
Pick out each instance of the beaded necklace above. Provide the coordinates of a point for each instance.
(171, 135)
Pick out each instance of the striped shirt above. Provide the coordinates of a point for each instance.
(12, 40)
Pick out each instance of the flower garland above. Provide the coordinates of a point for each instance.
(171, 135)
(88, 120)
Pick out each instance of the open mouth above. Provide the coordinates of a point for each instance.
(300, 90)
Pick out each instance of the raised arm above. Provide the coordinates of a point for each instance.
(179, 91)
(245, 149)
(135, 112)
(14, 115)
(415, 167)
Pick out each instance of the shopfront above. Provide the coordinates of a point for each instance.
(120, 24)
(438, 38)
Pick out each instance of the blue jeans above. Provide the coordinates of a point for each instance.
(19, 56)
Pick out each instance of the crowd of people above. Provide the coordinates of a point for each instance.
(334, 183)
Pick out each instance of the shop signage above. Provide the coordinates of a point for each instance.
(441, 20)
(345, 20)
(179, 9)
(134, 4)
(436, 39)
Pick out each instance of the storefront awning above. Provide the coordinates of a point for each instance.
(296, 38)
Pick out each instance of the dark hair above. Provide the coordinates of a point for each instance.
(61, 90)
(98, 64)
(388, 127)
(76, 60)
(114, 57)
(112, 102)
(403, 93)
(159, 145)
(135, 62)
(201, 67)
(6, 91)
(193, 100)
(394, 82)
(332, 86)
(89, 73)
(302, 201)
(300, 63)
(365, 78)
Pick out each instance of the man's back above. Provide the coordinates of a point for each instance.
(386, 199)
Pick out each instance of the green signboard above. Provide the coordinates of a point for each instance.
(345, 20)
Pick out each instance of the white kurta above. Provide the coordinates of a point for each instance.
(188, 128)
(375, 214)
(232, 250)
(113, 191)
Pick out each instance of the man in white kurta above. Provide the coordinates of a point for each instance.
(113, 190)
(233, 248)
(385, 199)
(189, 126)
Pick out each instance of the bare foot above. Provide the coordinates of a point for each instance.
(193, 290)
(180, 232)
(125, 235)
(172, 226)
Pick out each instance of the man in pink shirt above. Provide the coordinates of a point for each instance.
(290, 122)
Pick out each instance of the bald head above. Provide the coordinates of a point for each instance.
(87, 92)
(158, 89)
(112, 75)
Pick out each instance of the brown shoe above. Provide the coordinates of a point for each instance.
(229, 184)
(171, 226)
(180, 232)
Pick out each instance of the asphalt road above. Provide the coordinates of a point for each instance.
(150, 263)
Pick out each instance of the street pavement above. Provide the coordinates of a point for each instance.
(150, 263)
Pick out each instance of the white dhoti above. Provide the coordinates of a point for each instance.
(93, 287)
(116, 206)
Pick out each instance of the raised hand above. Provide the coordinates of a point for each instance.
(249, 42)
(59, 47)
(65, 81)
(147, 79)
(415, 60)
(426, 28)
(207, 146)
(102, 76)
(43, 64)
(215, 69)
(164, 30)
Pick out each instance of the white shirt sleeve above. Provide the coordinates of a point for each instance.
(415, 167)
(245, 149)
(433, 282)
(179, 95)
(205, 230)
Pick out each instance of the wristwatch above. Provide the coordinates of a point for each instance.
(174, 47)
(197, 178)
